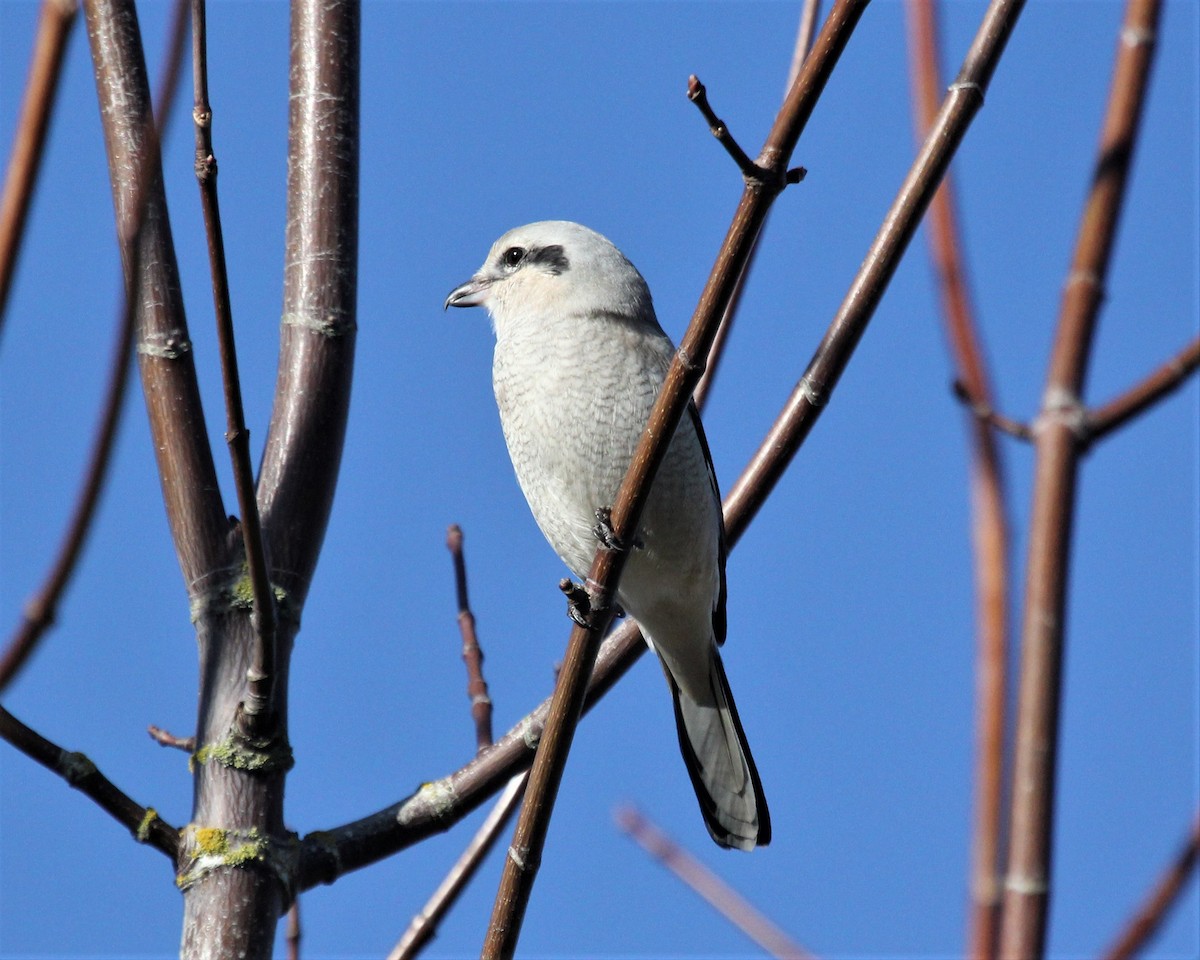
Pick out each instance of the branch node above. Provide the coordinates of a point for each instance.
(992, 418)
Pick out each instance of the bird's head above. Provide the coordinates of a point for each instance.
(554, 268)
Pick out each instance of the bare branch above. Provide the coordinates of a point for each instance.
(40, 610)
(521, 865)
(1058, 446)
(260, 675)
(41, 90)
(988, 416)
(185, 463)
(424, 925)
(472, 654)
(990, 526)
(810, 395)
(316, 354)
(1153, 911)
(292, 936)
(79, 772)
(804, 38)
(722, 897)
(1160, 384)
(164, 738)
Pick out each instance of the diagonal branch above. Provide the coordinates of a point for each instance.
(804, 40)
(40, 610)
(719, 895)
(79, 772)
(1153, 910)
(260, 674)
(1137, 400)
(1059, 445)
(41, 90)
(990, 524)
(520, 867)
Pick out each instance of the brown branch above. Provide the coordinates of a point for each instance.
(258, 706)
(292, 936)
(810, 395)
(472, 654)
(1058, 447)
(521, 864)
(185, 465)
(316, 353)
(804, 39)
(423, 927)
(79, 772)
(41, 90)
(164, 738)
(990, 523)
(41, 609)
(722, 897)
(1144, 924)
(1164, 381)
(988, 416)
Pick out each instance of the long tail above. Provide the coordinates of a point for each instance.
(719, 762)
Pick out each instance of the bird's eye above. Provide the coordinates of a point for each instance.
(513, 256)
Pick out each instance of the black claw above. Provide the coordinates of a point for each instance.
(603, 531)
(579, 604)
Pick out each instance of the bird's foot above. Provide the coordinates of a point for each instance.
(579, 604)
(604, 532)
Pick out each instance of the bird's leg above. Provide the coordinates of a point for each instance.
(579, 604)
(604, 532)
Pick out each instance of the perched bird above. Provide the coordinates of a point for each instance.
(579, 362)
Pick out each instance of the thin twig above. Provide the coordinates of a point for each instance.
(164, 738)
(79, 772)
(294, 931)
(989, 508)
(988, 416)
(41, 609)
(521, 864)
(260, 674)
(472, 654)
(804, 39)
(1103, 420)
(55, 21)
(327, 854)
(424, 925)
(699, 96)
(1143, 925)
(722, 897)
(1058, 446)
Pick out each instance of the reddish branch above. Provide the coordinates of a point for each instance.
(40, 610)
(804, 39)
(41, 89)
(1165, 893)
(990, 526)
(1168, 378)
(477, 688)
(1058, 447)
(723, 898)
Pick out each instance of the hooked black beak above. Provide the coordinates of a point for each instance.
(470, 294)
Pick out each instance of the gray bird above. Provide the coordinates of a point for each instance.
(579, 362)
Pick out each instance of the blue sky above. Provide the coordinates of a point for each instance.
(850, 599)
